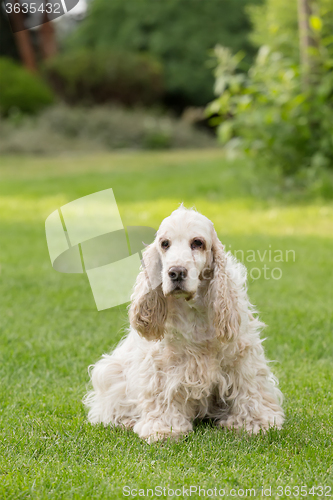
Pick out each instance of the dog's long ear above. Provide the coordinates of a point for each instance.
(148, 309)
(223, 299)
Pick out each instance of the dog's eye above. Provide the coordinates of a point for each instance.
(165, 244)
(197, 244)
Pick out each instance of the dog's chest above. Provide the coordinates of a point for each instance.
(194, 370)
(188, 324)
(192, 352)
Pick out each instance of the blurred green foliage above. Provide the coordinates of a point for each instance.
(97, 76)
(177, 32)
(21, 90)
(270, 112)
(61, 128)
(275, 23)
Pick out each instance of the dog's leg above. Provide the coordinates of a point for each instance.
(110, 400)
(253, 399)
(162, 423)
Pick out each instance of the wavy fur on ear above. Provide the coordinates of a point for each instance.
(223, 296)
(148, 310)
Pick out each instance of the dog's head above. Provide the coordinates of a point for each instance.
(184, 247)
(185, 259)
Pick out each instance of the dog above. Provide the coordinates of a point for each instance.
(193, 349)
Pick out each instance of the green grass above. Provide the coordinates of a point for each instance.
(51, 331)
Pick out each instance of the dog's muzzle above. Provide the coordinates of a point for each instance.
(177, 274)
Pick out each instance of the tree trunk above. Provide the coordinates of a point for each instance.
(47, 38)
(23, 41)
(305, 39)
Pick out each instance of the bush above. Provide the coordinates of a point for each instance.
(275, 23)
(101, 128)
(21, 90)
(99, 76)
(179, 33)
(271, 114)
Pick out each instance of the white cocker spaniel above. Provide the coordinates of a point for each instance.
(194, 347)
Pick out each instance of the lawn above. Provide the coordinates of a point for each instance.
(51, 332)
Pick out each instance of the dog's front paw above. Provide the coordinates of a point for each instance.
(154, 430)
(175, 436)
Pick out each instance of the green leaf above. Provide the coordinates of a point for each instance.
(225, 131)
(316, 23)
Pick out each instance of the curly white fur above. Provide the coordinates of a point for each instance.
(194, 347)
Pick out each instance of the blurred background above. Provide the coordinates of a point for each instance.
(255, 76)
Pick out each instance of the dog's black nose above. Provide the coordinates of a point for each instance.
(177, 273)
